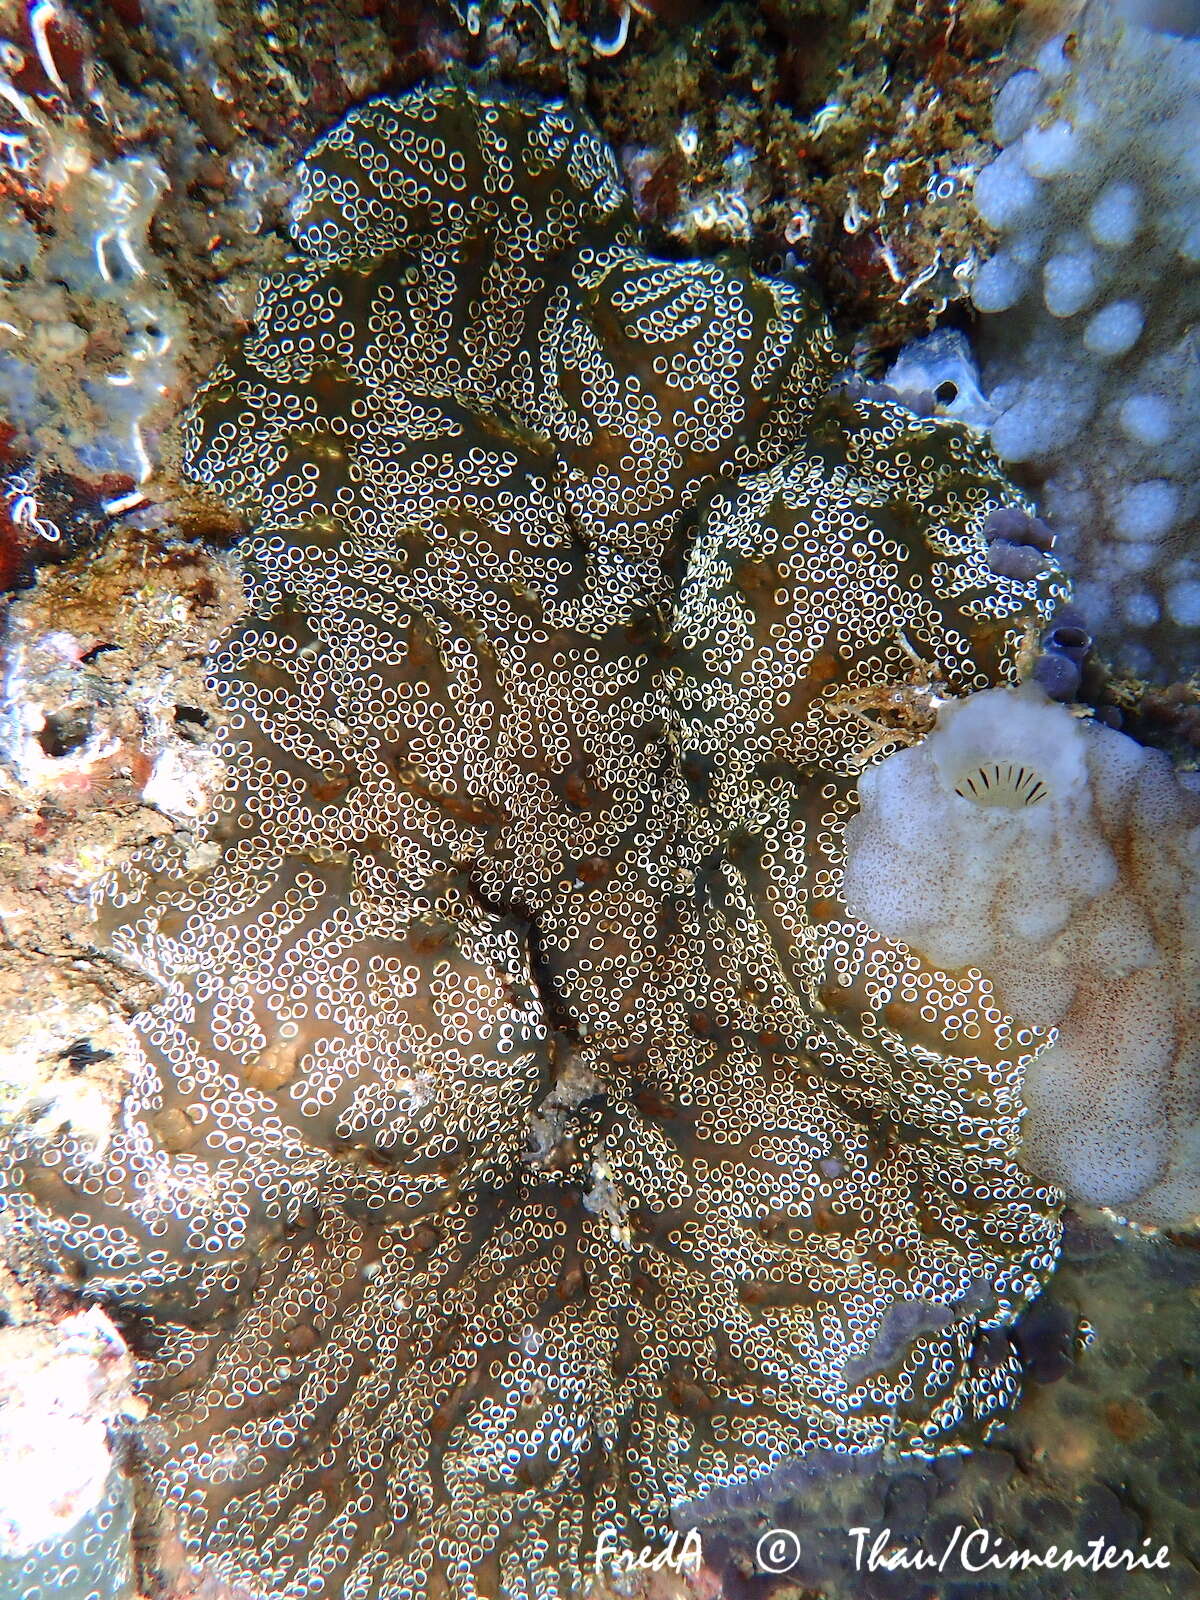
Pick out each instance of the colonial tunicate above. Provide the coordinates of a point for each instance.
(527, 1143)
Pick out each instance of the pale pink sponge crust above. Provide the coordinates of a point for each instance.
(1060, 859)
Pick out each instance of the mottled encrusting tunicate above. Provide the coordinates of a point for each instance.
(527, 1142)
(1064, 860)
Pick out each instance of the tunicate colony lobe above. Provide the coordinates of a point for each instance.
(527, 1142)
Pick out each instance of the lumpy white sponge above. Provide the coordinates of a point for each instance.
(1061, 860)
(1089, 342)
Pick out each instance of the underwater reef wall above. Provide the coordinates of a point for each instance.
(677, 1178)
(525, 1139)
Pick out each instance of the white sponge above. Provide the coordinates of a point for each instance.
(1091, 299)
(1062, 860)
